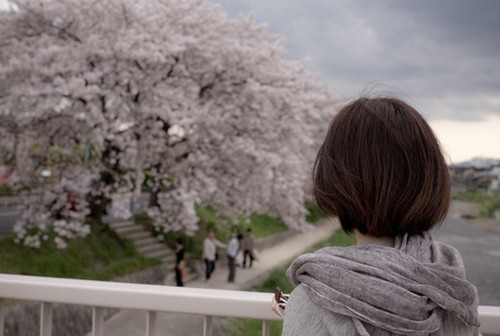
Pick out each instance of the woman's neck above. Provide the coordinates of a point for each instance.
(367, 239)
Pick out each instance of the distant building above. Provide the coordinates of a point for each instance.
(495, 183)
(477, 173)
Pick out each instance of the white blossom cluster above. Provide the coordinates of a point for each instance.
(175, 211)
(58, 215)
(163, 96)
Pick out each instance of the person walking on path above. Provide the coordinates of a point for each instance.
(249, 245)
(210, 245)
(232, 250)
(180, 263)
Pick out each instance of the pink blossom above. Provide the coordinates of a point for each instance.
(166, 97)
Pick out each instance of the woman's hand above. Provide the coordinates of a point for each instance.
(278, 302)
(277, 309)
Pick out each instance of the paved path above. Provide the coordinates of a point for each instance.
(133, 323)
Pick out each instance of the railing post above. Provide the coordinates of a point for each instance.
(265, 328)
(207, 325)
(151, 324)
(46, 319)
(2, 318)
(97, 321)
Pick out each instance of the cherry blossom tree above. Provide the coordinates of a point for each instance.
(166, 96)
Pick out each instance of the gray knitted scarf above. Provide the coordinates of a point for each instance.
(385, 290)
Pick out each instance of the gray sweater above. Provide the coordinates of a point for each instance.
(304, 317)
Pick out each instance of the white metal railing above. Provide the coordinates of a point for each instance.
(152, 299)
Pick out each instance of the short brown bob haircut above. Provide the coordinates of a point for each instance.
(381, 171)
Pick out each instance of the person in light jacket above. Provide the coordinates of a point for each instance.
(381, 172)
(232, 250)
(210, 244)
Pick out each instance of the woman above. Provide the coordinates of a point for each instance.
(381, 172)
(180, 263)
(210, 245)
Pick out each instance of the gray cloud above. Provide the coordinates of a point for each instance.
(444, 54)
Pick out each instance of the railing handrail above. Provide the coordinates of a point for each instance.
(120, 295)
(187, 300)
(490, 319)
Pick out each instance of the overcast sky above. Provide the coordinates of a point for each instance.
(442, 56)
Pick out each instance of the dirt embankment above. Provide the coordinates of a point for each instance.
(470, 213)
